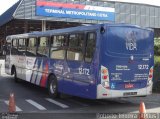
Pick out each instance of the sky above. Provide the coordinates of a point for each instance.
(5, 4)
(151, 2)
(8, 3)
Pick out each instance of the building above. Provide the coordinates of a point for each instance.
(37, 15)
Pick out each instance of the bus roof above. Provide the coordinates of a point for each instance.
(71, 29)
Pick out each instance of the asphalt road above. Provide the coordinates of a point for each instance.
(34, 102)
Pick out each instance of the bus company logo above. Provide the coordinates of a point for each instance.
(131, 43)
(127, 86)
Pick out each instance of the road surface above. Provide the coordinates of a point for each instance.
(34, 102)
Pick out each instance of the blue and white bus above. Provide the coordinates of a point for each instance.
(96, 62)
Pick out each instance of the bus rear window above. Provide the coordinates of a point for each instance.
(125, 40)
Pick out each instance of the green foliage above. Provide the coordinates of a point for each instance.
(157, 50)
(157, 46)
(156, 68)
(157, 60)
(156, 74)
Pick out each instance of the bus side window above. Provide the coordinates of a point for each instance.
(21, 46)
(31, 47)
(75, 48)
(6, 48)
(90, 46)
(14, 43)
(14, 50)
(21, 43)
(57, 50)
(43, 47)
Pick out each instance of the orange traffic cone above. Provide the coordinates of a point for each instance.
(12, 106)
(142, 111)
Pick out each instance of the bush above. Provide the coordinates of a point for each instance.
(157, 46)
(156, 74)
(157, 50)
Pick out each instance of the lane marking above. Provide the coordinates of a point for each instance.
(17, 108)
(35, 104)
(57, 103)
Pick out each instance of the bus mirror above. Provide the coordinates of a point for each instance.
(102, 30)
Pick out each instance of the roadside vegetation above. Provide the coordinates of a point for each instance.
(156, 86)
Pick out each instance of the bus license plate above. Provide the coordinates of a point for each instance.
(129, 93)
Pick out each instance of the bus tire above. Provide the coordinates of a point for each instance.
(52, 87)
(15, 76)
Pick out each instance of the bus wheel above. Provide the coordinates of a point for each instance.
(15, 76)
(52, 87)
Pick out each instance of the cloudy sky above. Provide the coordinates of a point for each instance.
(8, 3)
(152, 2)
(5, 4)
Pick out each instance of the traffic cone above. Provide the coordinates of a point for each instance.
(142, 111)
(12, 106)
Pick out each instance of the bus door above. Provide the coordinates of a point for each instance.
(74, 60)
(86, 79)
(77, 72)
(21, 63)
(42, 61)
(57, 58)
(31, 66)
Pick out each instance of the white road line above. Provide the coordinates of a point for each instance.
(35, 104)
(17, 108)
(57, 103)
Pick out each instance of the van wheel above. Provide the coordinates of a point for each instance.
(53, 87)
(15, 76)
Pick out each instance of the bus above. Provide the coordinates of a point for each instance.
(95, 62)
